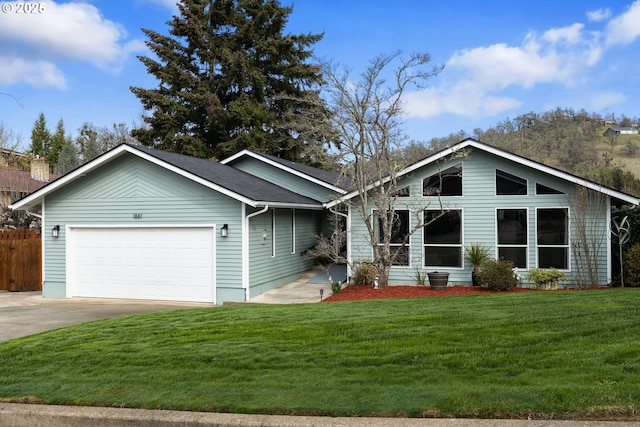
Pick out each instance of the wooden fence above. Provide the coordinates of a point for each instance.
(20, 260)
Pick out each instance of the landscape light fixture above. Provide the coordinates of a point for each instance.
(224, 231)
(55, 231)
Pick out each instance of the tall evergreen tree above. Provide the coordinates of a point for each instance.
(40, 137)
(68, 158)
(57, 142)
(230, 79)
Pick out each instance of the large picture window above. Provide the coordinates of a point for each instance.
(553, 238)
(443, 238)
(399, 231)
(445, 183)
(512, 236)
(510, 185)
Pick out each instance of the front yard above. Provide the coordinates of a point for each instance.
(567, 355)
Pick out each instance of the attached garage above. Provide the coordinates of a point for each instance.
(155, 263)
(140, 223)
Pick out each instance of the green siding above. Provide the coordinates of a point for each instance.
(284, 179)
(268, 268)
(478, 204)
(128, 185)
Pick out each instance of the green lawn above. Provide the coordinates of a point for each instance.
(548, 354)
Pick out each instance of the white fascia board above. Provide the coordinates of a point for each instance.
(38, 196)
(280, 166)
(557, 173)
(289, 205)
(500, 153)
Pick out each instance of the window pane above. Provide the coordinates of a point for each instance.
(512, 226)
(552, 227)
(402, 255)
(443, 256)
(399, 229)
(445, 183)
(541, 190)
(553, 257)
(442, 229)
(516, 255)
(510, 185)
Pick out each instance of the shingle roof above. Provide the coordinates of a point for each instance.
(18, 181)
(230, 178)
(331, 178)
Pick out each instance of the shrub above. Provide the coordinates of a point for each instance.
(497, 275)
(632, 266)
(336, 287)
(364, 274)
(546, 278)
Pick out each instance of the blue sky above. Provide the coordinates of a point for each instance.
(75, 60)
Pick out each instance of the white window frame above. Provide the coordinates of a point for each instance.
(525, 245)
(457, 245)
(495, 184)
(567, 246)
(395, 245)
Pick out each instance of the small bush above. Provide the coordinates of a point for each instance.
(364, 274)
(497, 275)
(546, 277)
(632, 266)
(336, 287)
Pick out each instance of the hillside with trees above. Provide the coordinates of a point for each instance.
(572, 141)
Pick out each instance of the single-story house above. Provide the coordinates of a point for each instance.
(142, 223)
(147, 224)
(621, 131)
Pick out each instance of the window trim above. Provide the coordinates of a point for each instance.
(553, 192)
(439, 172)
(450, 245)
(392, 245)
(568, 231)
(495, 183)
(497, 240)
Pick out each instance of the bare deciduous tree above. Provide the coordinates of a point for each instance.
(367, 115)
(588, 236)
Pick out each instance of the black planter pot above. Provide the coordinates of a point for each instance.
(438, 281)
(474, 278)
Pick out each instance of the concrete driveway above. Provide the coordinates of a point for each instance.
(26, 313)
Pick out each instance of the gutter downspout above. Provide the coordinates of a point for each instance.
(245, 250)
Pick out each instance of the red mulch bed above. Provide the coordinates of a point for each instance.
(356, 293)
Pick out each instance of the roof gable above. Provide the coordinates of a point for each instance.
(332, 180)
(472, 143)
(227, 180)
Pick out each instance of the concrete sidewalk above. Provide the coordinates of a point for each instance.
(20, 415)
(296, 292)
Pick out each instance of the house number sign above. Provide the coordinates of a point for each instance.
(137, 216)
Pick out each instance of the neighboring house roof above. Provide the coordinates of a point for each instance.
(17, 181)
(332, 180)
(225, 179)
(472, 143)
(627, 129)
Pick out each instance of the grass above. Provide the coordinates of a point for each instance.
(571, 355)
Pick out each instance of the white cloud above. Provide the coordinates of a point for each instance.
(603, 100)
(35, 73)
(625, 28)
(598, 15)
(68, 31)
(478, 78)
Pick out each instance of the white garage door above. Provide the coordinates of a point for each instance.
(160, 263)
